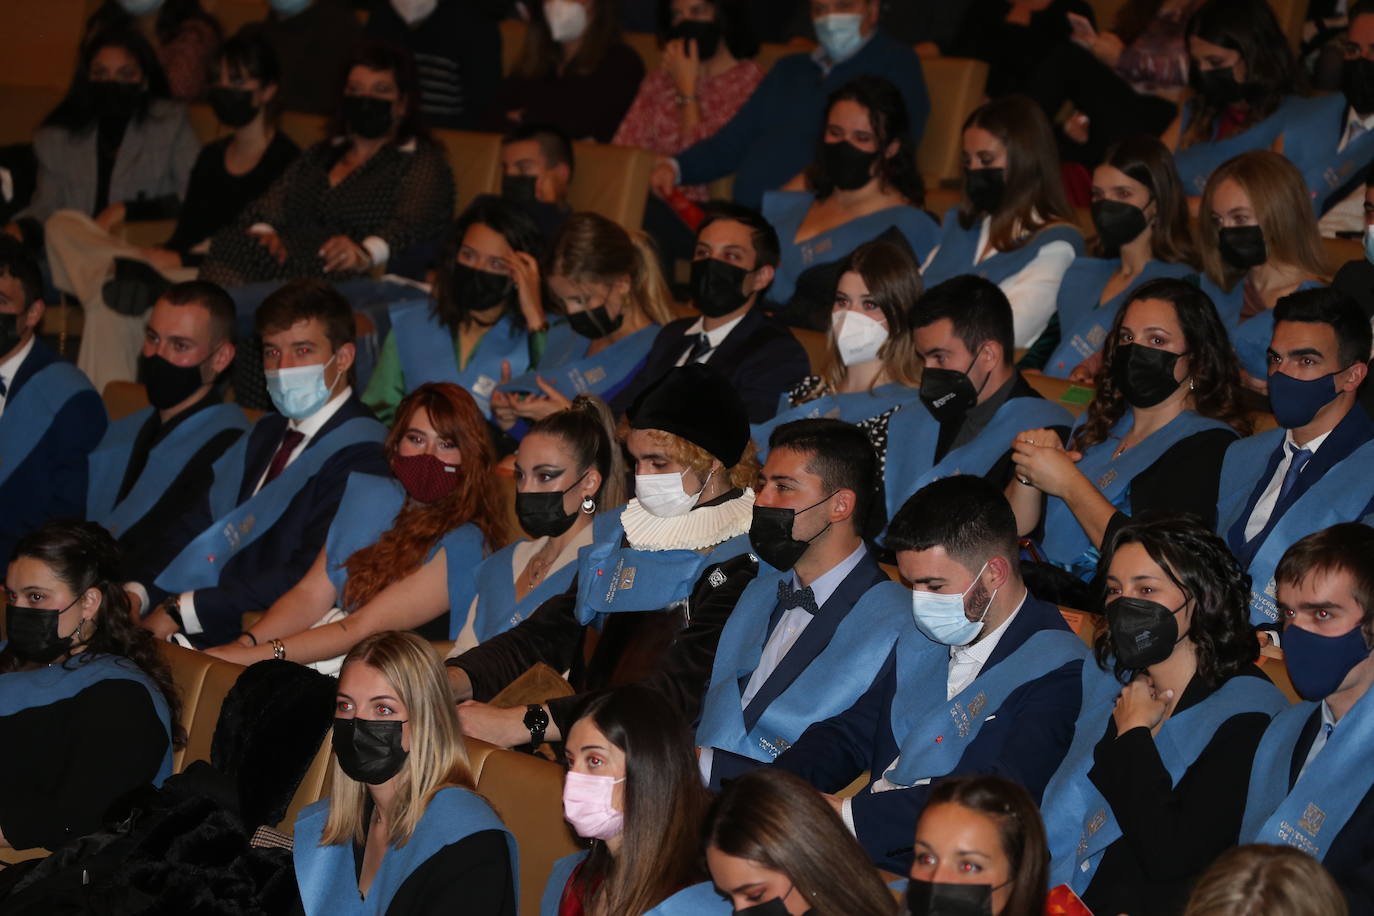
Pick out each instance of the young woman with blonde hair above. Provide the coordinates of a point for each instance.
(403, 827)
(1261, 879)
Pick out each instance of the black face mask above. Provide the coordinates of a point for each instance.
(1144, 633)
(369, 750)
(368, 117)
(115, 101)
(1117, 223)
(479, 290)
(1218, 86)
(705, 35)
(948, 393)
(542, 515)
(233, 107)
(931, 898)
(774, 907)
(717, 287)
(985, 188)
(168, 385)
(1357, 84)
(519, 189)
(10, 335)
(848, 167)
(1242, 246)
(32, 633)
(770, 534)
(1144, 375)
(595, 323)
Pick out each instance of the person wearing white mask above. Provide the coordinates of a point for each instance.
(655, 586)
(573, 72)
(871, 366)
(986, 678)
(262, 521)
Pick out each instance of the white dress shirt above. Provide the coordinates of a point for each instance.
(714, 337)
(1348, 215)
(10, 368)
(1270, 497)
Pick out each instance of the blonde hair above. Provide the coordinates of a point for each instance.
(438, 758)
(1283, 209)
(590, 245)
(745, 472)
(1260, 880)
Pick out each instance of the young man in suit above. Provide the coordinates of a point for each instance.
(153, 463)
(1313, 471)
(256, 531)
(736, 254)
(1310, 785)
(986, 681)
(809, 635)
(50, 416)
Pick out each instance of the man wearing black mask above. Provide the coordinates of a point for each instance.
(156, 461)
(536, 169)
(974, 397)
(736, 254)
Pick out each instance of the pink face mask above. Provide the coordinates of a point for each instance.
(587, 805)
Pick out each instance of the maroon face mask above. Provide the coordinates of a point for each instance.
(425, 477)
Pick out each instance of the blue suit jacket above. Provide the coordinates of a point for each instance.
(1025, 740)
(263, 571)
(814, 639)
(51, 482)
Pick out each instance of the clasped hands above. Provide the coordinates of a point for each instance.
(1042, 462)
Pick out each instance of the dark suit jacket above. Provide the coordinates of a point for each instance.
(51, 481)
(263, 571)
(1350, 860)
(1024, 740)
(811, 642)
(760, 358)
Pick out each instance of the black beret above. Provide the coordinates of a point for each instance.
(696, 403)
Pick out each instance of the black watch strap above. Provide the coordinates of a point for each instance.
(537, 721)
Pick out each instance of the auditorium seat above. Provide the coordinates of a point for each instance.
(769, 53)
(476, 162)
(43, 39)
(204, 122)
(612, 181)
(817, 347)
(1339, 251)
(512, 38)
(305, 129)
(956, 86)
(25, 107)
(235, 14)
(645, 44)
(123, 398)
(1290, 14)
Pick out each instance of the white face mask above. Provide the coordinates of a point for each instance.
(664, 496)
(840, 34)
(299, 391)
(413, 11)
(941, 616)
(858, 337)
(567, 19)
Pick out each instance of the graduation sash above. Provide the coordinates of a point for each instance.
(1066, 544)
(1311, 814)
(829, 685)
(1310, 141)
(852, 407)
(497, 609)
(29, 414)
(568, 369)
(697, 900)
(200, 562)
(1339, 496)
(427, 352)
(22, 690)
(326, 875)
(912, 434)
(1080, 812)
(959, 249)
(1197, 162)
(932, 732)
(166, 461)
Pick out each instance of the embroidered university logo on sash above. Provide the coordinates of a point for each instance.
(1312, 819)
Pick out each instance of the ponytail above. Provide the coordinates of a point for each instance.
(590, 245)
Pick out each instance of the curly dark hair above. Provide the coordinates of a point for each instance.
(1203, 567)
(1213, 368)
(83, 556)
(888, 117)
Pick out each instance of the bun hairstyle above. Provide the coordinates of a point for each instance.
(592, 248)
(587, 427)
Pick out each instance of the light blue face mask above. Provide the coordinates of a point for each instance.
(288, 7)
(942, 619)
(299, 391)
(140, 7)
(1369, 244)
(839, 34)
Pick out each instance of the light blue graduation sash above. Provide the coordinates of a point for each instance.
(572, 372)
(932, 732)
(200, 562)
(497, 609)
(326, 875)
(959, 248)
(1084, 324)
(697, 900)
(1312, 813)
(851, 408)
(1310, 142)
(912, 434)
(1081, 816)
(1197, 162)
(167, 459)
(428, 352)
(829, 685)
(29, 414)
(558, 880)
(1066, 544)
(1339, 496)
(21, 690)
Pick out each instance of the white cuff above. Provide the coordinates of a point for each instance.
(677, 171)
(377, 249)
(847, 815)
(708, 756)
(262, 229)
(141, 594)
(186, 604)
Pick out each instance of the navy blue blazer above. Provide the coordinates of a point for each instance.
(760, 358)
(1350, 859)
(816, 636)
(51, 481)
(263, 571)
(1351, 433)
(1025, 740)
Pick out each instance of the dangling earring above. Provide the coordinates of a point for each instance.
(588, 505)
(1191, 386)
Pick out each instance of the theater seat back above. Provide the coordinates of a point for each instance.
(956, 86)
(476, 162)
(612, 181)
(303, 128)
(123, 398)
(42, 41)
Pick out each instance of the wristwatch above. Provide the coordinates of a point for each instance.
(172, 605)
(537, 721)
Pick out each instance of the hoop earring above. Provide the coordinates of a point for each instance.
(588, 505)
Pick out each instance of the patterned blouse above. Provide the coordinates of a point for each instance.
(814, 386)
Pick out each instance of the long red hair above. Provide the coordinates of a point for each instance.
(418, 527)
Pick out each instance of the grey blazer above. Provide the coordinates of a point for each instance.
(154, 160)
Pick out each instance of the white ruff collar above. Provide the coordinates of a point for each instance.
(705, 526)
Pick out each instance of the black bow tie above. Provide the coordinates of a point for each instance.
(803, 598)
